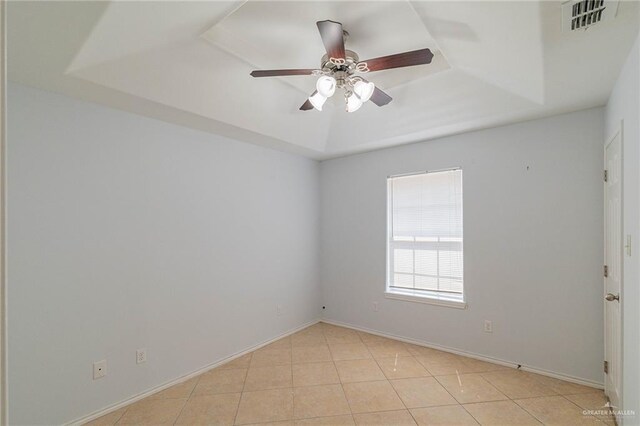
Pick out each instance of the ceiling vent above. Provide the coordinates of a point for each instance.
(582, 14)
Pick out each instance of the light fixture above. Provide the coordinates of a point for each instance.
(326, 86)
(364, 90)
(317, 100)
(353, 103)
(357, 90)
(340, 68)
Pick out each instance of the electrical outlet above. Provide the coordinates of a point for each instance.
(374, 306)
(488, 326)
(99, 369)
(279, 310)
(141, 356)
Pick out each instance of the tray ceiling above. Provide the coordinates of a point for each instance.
(189, 63)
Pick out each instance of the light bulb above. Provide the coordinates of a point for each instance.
(317, 100)
(364, 90)
(326, 86)
(353, 103)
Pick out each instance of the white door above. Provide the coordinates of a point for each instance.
(613, 262)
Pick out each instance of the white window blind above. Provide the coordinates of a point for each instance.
(425, 234)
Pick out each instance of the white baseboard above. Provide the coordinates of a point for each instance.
(117, 406)
(512, 364)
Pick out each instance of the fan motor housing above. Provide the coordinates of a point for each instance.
(351, 59)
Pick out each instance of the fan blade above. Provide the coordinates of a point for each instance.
(276, 73)
(380, 98)
(399, 60)
(307, 105)
(331, 33)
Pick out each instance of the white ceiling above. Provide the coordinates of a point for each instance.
(189, 63)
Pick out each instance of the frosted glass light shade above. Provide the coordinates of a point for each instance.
(317, 100)
(364, 90)
(326, 86)
(353, 103)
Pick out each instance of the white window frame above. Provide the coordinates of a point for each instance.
(454, 300)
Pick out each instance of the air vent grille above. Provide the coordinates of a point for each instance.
(581, 14)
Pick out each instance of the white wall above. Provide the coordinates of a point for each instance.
(624, 104)
(126, 232)
(533, 223)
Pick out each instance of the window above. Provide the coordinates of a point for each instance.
(424, 248)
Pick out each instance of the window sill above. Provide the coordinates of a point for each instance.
(429, 300)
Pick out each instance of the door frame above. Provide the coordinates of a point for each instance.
(619, 130)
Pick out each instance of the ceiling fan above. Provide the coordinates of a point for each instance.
(339, 66)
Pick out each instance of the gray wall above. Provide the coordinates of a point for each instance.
(126, 232)
(533, 220)
(624, 104)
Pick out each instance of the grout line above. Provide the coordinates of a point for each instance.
(181, 409)
(188, 397)
(126, 408)
(235, 418)
(530, 413)
(476, 419)
(582, 409)
(339, 378)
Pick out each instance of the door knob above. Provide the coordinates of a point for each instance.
(610, 297)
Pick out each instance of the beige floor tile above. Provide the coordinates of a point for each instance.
(315, 353)
(444, 416)
(442, 365)
(347, 337)
(344, 351)
(221, 381)
(153, 412)
(562, 387)
(319, 326)
(401, 367)
(388, 350)
(467, 388)
(370, 397)
(284, 343)
(594, 401)
(298, 377)
(345, 420)
(210, 410)
(517, 384)
(334, 329)
(108, 419)
(181, 390)
(436, 356)
(319, 401)
(309, 339)
(317, 373)
(500, 413)
(359, 370)
(240, 362)
(267, 357)
(373, 339)
(422, 392)
(555, 410)
(265, 406)
(314, 329)
(271, 377)
(385, 418)
(589, 401)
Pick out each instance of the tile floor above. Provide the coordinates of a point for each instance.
(329, 375)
